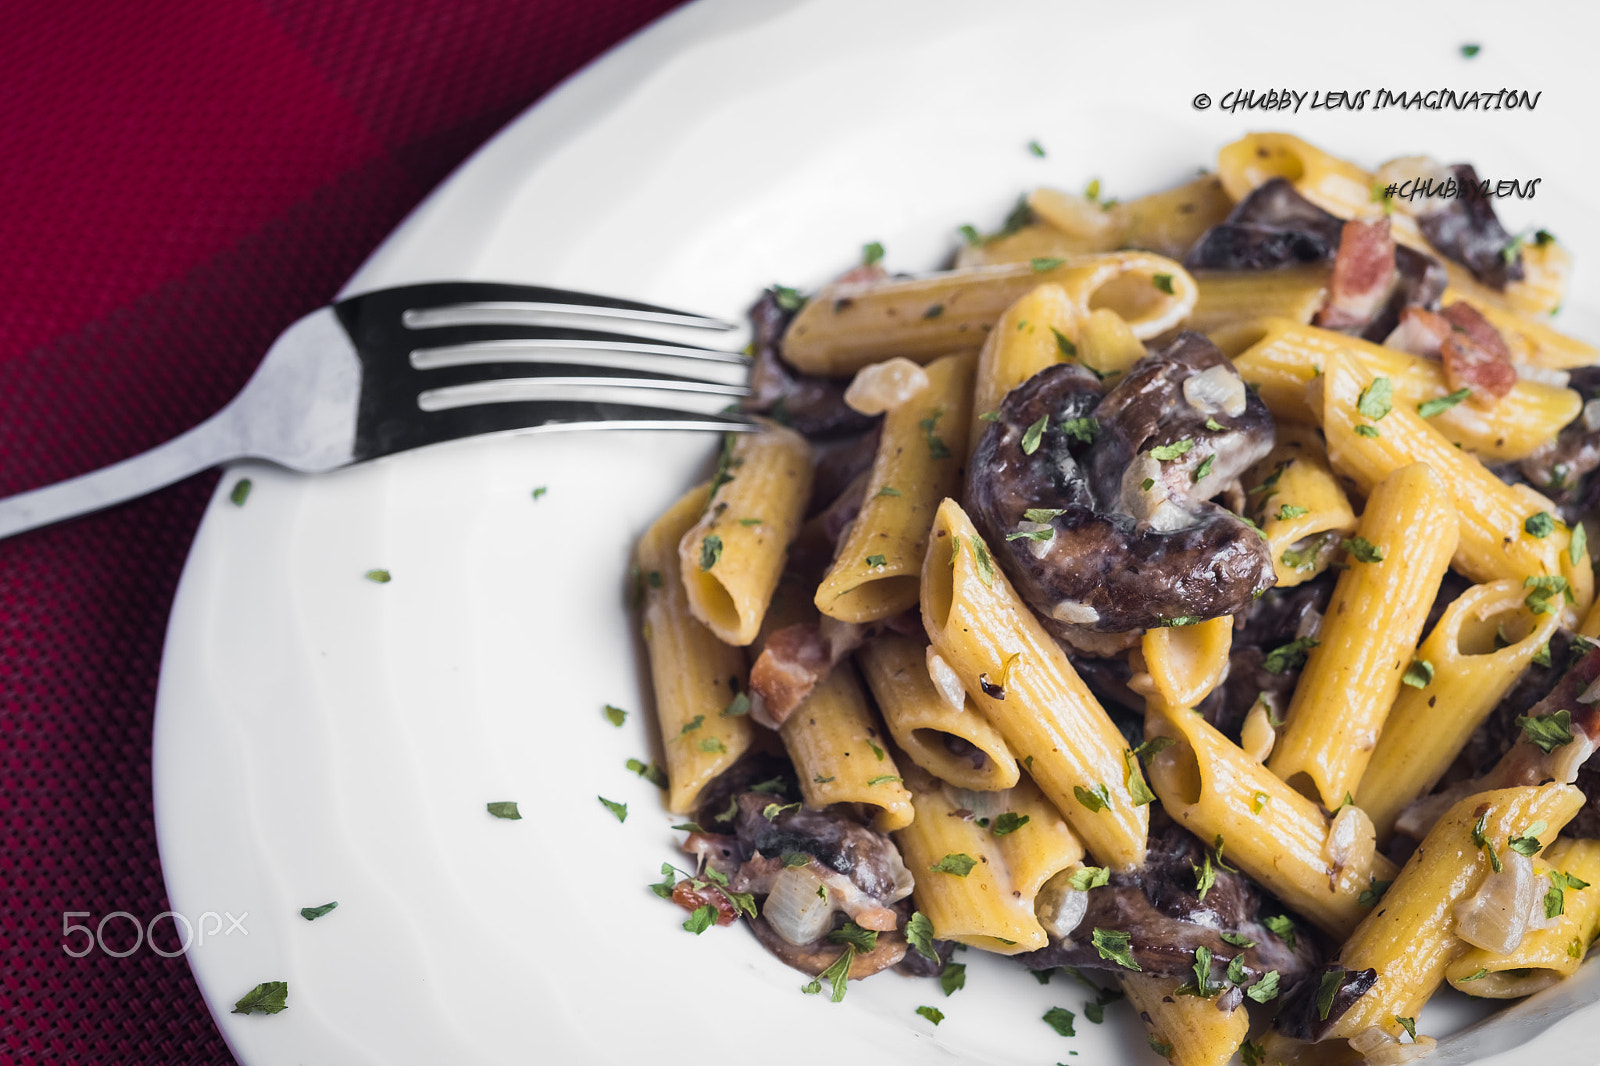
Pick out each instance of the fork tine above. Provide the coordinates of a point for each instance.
(558, 374)
(457, 303)
(534, 344)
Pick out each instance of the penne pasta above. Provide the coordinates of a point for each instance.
(1545, 955)
(1227, 297)
(695, 676)
(991, 906)
(919, 462)
(1493, 544)
(1280, 358)
(1185, 1030)
(1397, 559)
(1185, 663)
(1465, 677)
(955, 744)
(732, 557)
(1037, 331)
(1299, 505)
(1048, 717)
(1272, 832)
(839, 752)
(847, 326)
(1409, 939)
(1169, 222)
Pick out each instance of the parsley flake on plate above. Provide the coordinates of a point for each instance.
(269, 997)
(618, 809)
(506, 809)
(311, 914)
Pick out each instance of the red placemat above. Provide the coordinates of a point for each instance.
(179, 183)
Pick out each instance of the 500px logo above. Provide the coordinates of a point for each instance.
(124, 926)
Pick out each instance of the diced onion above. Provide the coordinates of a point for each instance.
(1496, 917)
(1591, 415)
(793, 908)
(1378, 1048)
(946, 680)
(1257, 737)
(1556, 379)
(884, 386)
(1060, 907)
(1566, 760)
(1351, 839)
(982, 804)
(1214, 389)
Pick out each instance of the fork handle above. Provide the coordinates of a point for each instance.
(210, 443)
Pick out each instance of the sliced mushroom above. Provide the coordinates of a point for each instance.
(1465, 229)
(1136, 542)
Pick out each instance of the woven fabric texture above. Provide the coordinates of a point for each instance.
(182, 180)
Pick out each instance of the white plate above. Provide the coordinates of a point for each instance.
(321, 737)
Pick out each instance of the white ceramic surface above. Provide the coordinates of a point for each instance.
(322, 737)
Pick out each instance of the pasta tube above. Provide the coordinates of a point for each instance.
(1410, 938)
(1464, 679)
(1170, 221)
(1193, 1031)
(1036, 241)
(1545, 955)
(838, 752)
(732, 557)
(847, 326)
(1299, 504)
(1186, 662)
(919, 462)
(1494, 543)
(1272, 832)
(1282, 357)
(1046, 713)
(1401, 551)
(1027, 339)
(1023, 844)
(695, 675)
(1229, 296)
(955, 744)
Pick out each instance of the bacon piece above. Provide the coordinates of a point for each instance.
(685, 895)
(795, 660)
(1420, 332)
(1475, 356)
(1363, 275)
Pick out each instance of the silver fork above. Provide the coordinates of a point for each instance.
(406, 367)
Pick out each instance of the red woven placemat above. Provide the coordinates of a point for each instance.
(178, 182)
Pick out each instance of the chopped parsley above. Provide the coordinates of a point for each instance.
(787, 298)
(1580, 541)
(1367, 431)
(1548, 731)
(771, 811)
(615, 715)
(1377, 399)
(919, 934)
(1478, 976)
(1467, 51)
(380, 577)
(882, 779)
(1540, 525)
(1545, 588)
(1095, 801)
(1290, 656)
(1033, 434)
(1264, 989)
(1159, 1046)
(651, 772)
(506, 809)
(737, 707)
(241, 492)
(1201, 985)
(1153, 747)
(1282, 928)
(1418, 674)
(1373, 892)
(877, 560)
(1036, 148)
(1115, 947)
(1555, 903)
(1205, 877)
(871, 253)
(540, 491)
(1203, 469)
(1258, 800)
(311, 914)
(1213, 425)
(953, 977)
(958, 863)
(937, 448)
(970, 234)
(1481, 840)
(692, 724)
(618, 809)
(1528, 843)
(985, 564)
(1167, 452)
(1429, 408)
(1238, 940)
(1135, 781)
(710, 551)
(1086, 877)
(713, 744)
(1332, 981)
(1045, 263)
(702, 918)
(1060, 1019)
(1084, 429)
(1031, 534)
(933, 1014)
(269, 997)
(1252, 1054)
(1409, 1025)
(1065, 345)
(1008, 823)
(1363, 549)
(887, 490)
(837, 976)
(1162, 282)
(863, 940)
